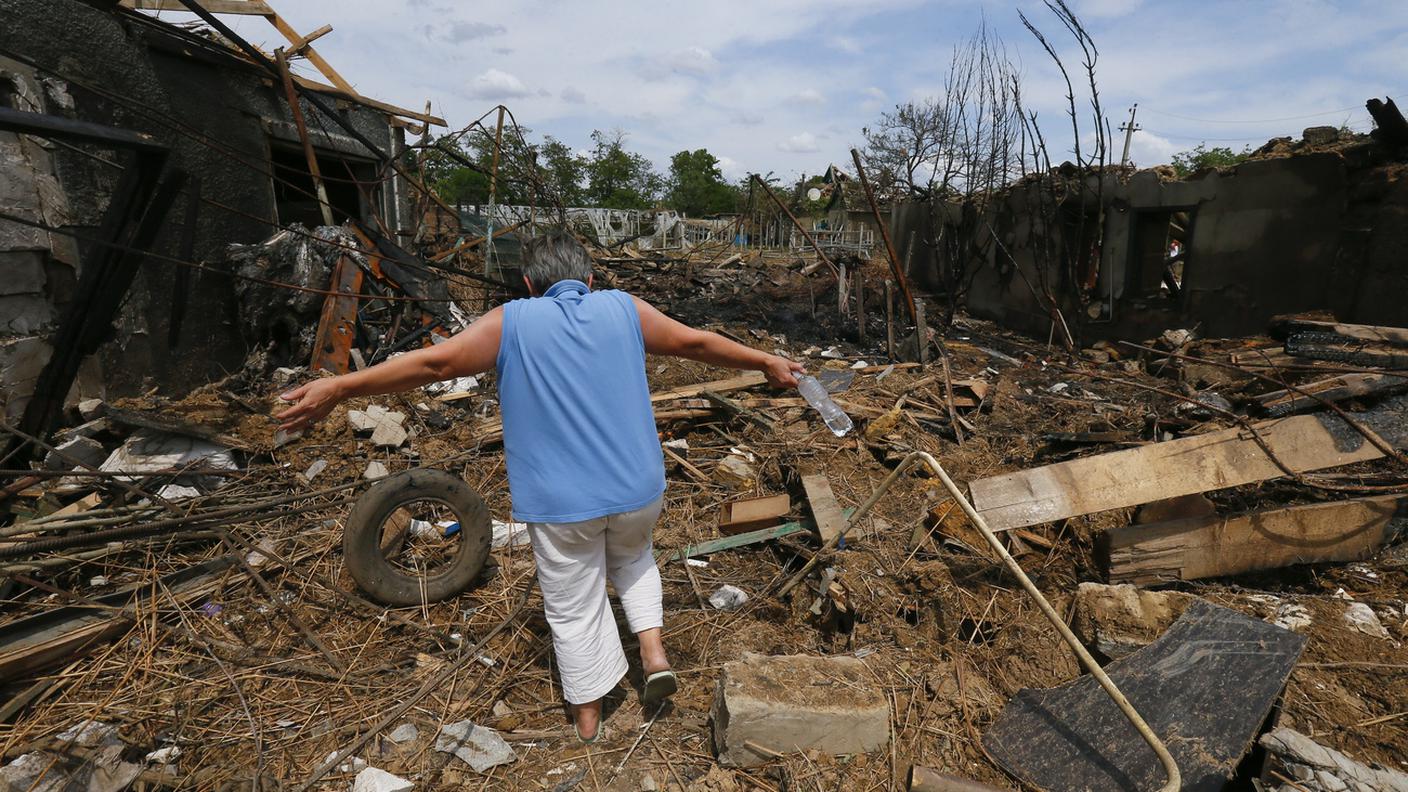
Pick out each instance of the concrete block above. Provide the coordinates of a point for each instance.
(21, 360)
(92, 409)
(83, 449)
(792, 703)
(1116, 620)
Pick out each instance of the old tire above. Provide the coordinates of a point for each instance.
(361, 539)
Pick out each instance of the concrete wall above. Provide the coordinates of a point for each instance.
(218, 115)
(1307, 232)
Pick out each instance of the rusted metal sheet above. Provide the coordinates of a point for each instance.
(338, 324)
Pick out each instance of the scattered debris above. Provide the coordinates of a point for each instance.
(728, 597)
(1308, 766)
(371, 779)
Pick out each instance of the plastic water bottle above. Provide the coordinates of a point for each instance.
(815, 393)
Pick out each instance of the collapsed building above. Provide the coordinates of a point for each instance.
(1315, 227)
(1210, 498)
(201, 149)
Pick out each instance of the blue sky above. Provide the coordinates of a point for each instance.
(787, 85)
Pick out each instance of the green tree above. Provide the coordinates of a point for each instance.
(697, 186)
(617, 178)
(564, 171)
(1200, 157)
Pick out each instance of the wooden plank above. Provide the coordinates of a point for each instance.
(825, 510)
(353, 96)
(1347, 386)
(308, 52)
(740, 540)
(1185, 466)
(1203, 547)
(174, 425)
(740, 382)
(750, 514)
(297, 47)
(247, 7)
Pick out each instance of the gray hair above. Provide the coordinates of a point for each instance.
(555, 256)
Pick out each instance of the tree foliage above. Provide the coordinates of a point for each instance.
(1200, 157)
(618, 178)
(697, 186)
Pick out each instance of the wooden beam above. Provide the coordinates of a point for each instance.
(1179, 467)
(308, 52)
(296, 48)
(1309, 396)
(1203, 547)
(740, 382)
(825, 510)
(246, 7)
(353, 96)
(750, 514)
(1284, 328)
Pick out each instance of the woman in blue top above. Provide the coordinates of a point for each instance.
(584, 461)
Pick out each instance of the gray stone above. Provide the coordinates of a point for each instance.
(404, 733)
(384, 425)
(388, 435)
(1320, 135)
(23, 272)
(375, 470)
(1116, 620)
(796, 703)
(71, 453)
(92, 409)
(21, 360)
(477, 746)
(372, 779)
(24, 314)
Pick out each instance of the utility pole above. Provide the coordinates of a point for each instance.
(1128, 129)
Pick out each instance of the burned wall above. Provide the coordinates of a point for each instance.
(1223, 252)
(221, 118)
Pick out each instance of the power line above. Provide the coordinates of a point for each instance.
(1254, 120)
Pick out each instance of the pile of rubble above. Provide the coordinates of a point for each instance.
(1216, 518)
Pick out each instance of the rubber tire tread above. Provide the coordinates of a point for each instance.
(361, 538)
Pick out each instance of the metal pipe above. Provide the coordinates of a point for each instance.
(1174, 782)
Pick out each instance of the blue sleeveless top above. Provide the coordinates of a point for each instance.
(579, 430)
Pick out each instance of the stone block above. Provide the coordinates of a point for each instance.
(70, 453)
(766, 705)
(1116, 620)
(25, 314)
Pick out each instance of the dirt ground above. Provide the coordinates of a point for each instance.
(944, 631)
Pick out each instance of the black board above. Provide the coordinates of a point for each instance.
(1205, 686)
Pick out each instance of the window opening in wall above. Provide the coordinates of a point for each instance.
(295, 197)
(1159, 253)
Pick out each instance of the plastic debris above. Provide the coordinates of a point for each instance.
(1362, 618)
(728, 598)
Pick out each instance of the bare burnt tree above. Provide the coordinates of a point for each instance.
(955, 152)
(1065, 203)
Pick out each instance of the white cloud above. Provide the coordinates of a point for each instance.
(495, 84)
(731, 168)
(809, 96)
(801, 143)
(846, 44)
(691, 60)
(461, 31)
(1107, 8)
(572, 96)
(876, 93)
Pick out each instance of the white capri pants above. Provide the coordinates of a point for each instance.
(574, 561)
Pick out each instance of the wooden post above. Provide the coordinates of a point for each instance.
(795, 222)
(895, 267)
(890, 319)
(921, 334)
(308, 153)
(493, 194)
(860, 304)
